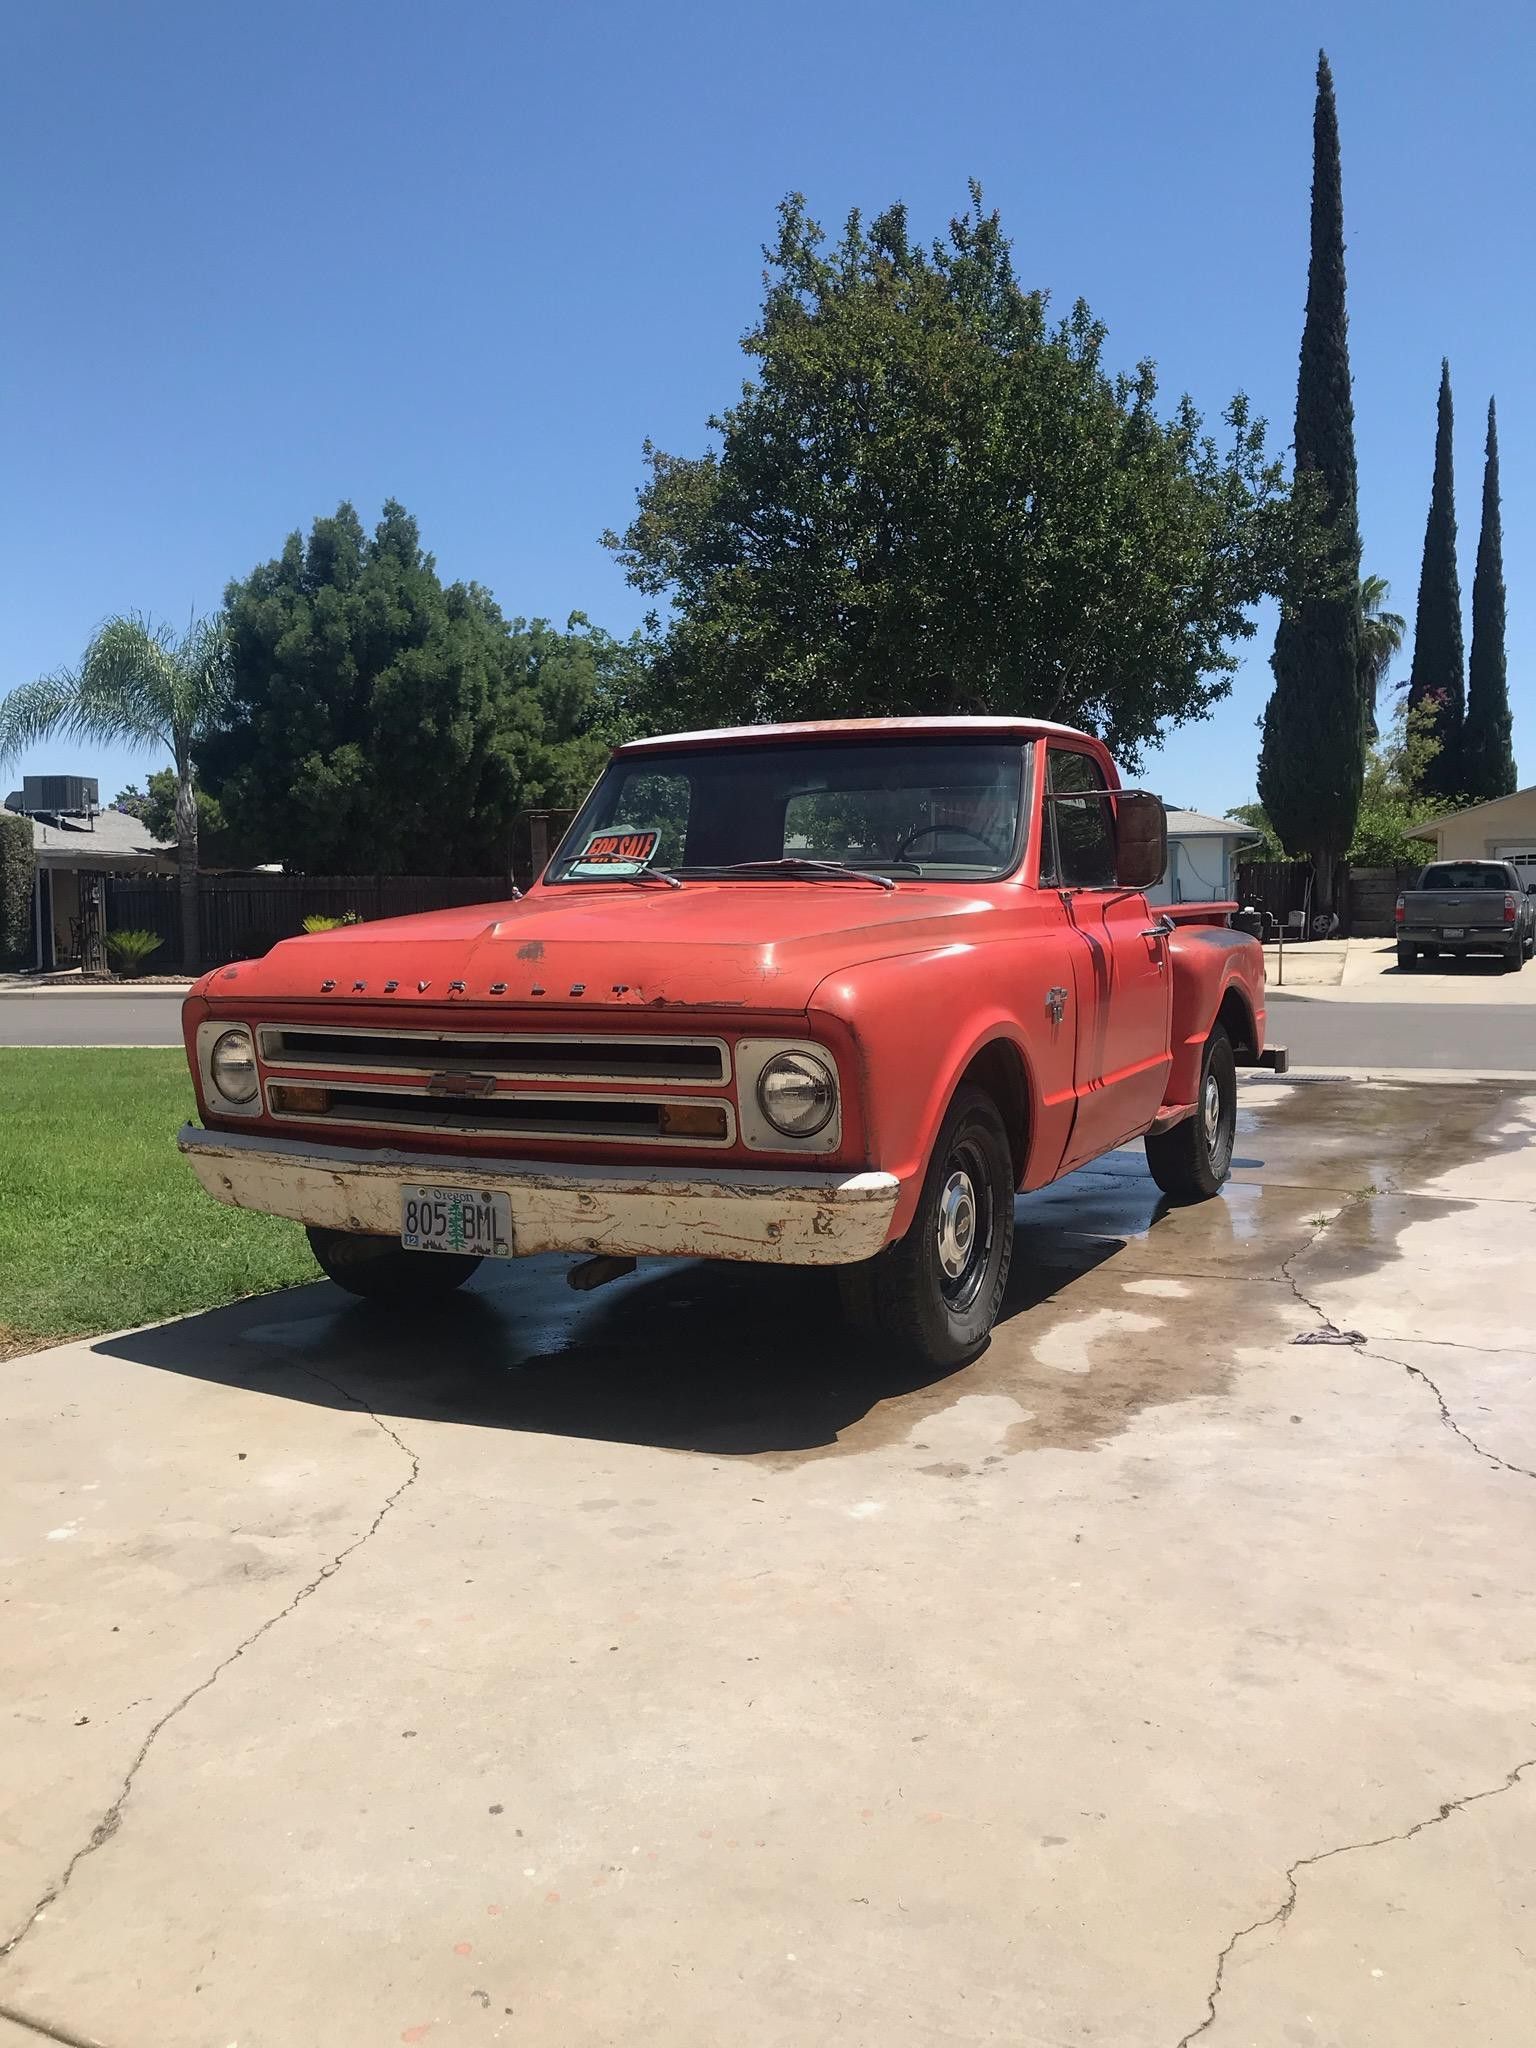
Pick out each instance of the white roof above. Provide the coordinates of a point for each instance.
(1431, 830)
(109, 840)
(1196, 825)
(830, 728)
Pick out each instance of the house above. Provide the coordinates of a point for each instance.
(1502, 829)
(1202, 865)
(77, 846)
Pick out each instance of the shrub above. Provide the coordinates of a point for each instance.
(17, 864)
(316, 923)
(128, 951)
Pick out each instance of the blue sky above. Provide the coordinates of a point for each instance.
(260, 258)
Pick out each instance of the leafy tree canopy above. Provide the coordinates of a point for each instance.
(932, 498)
(382, 721)
(155, 808)
(1392, 798)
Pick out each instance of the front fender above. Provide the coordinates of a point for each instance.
(919, 1022)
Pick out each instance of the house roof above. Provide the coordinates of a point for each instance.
(109, 840)
(1432, 828)
(1196, 825)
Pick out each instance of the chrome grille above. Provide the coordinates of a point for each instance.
(520, 1056)
(587, 1117)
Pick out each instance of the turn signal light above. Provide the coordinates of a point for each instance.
(1401, 912)
(1511, 910)
(692, 1120)
(292, 1101)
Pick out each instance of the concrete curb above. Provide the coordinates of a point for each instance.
(126, 988)
(1439, 1076)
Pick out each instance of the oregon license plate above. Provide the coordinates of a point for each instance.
(468, 1220)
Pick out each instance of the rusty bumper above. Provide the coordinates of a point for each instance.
(790, 1219)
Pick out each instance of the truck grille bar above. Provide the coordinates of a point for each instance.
(524, 1056)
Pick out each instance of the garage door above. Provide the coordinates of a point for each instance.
(1521, 858)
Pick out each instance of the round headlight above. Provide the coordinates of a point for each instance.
(233, 1066)
(797, 1093)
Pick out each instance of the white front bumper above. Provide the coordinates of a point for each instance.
(789, 1219)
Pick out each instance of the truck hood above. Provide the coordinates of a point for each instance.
(708, 945)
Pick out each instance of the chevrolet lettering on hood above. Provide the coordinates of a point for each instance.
(823, 994)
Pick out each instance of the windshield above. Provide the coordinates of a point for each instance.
(1466, 874)
(948, 810)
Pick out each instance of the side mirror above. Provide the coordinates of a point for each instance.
(1530, 888)
(1141, 839)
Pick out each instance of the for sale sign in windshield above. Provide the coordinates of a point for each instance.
(616, 850)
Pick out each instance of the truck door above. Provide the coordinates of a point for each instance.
(1122, 990)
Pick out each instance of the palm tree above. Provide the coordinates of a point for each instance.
(143, 685)
(1381, 638)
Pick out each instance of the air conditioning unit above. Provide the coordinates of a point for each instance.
(61, 796)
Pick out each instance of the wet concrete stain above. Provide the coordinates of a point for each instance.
(1118, 1302)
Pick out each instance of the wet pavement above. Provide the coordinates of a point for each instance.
(656, 1666)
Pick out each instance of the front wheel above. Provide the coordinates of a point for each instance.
(381, 1269)
(1190, 1162)
(935, 1293)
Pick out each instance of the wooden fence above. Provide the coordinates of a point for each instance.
(1366, 896)
(242, 916)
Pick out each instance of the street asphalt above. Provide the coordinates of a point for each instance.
(90, 1020)
(1465, 1037)
(1459, 1038)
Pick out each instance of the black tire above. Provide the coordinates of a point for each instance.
(1190, 1162)
(1407, 956)
(934, 1294)
(381, 1269)
(1530, 947)
(1514, 958)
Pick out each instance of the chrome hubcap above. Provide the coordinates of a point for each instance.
(957, 1224)
(1211, 1110)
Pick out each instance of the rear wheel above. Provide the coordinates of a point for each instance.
(1407, 956)
(1191, 1161)
(1514, 958)
(935, 1293)
(381, 1269)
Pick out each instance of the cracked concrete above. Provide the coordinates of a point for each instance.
(1152, 1679)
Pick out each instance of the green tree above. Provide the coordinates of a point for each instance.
(1487, 750)
(1256, 818)
(382, 721)
(1312, 760)
(155, 810)
(931, 498)
(1438, 674)
(1381, 641)
(18, 867)
(1393, 796)
(141, 685)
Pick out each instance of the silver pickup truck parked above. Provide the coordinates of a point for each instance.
(1467, 906)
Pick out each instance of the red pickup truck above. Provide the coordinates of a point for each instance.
(822, 994)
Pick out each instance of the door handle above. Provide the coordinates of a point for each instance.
(1161, 930)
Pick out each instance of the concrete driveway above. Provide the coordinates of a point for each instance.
(652, 1668)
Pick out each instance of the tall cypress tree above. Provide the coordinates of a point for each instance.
(1438, 676)
(1313, 756)
(1487, 750)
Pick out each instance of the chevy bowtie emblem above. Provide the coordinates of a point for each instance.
(462, 1084)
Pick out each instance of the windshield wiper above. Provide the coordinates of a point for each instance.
(648, 875)
(794, 865)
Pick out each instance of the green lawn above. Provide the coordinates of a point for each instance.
(102, 1224)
